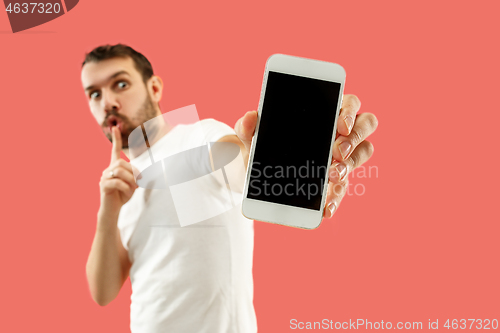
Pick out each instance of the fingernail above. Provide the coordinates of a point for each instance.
(349, 122)
(344, 149)
(139, 176)
(331, 208)
(338, 172)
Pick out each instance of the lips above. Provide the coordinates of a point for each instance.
(113, 121)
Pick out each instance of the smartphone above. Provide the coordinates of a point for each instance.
(287, 175)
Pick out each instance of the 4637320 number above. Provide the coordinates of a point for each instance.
(33, 7)
(485, 324)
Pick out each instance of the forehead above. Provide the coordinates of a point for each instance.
(96, 73)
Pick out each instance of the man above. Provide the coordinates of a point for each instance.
(184, 279)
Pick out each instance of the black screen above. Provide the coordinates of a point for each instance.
(292, 148)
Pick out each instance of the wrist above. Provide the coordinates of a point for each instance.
(107, 218)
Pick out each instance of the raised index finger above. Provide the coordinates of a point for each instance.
(350, 106)
(117, 144)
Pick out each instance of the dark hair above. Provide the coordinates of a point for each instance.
(104, 52)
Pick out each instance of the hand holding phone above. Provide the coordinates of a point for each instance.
(290, 154)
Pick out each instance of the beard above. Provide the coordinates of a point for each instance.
(146, 112)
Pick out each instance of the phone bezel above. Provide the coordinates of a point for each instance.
(278, 213)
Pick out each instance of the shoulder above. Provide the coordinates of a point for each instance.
(214, 129)
(211, 123)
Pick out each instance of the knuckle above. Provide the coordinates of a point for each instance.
(356, 136)
(124, 164)
(105, 186)
(347, 107)
(118, 172)
(361, 155)
(353, 99)
(338, 189)
(369, 148)
(372, 120)
(356, 100)
(354, 161)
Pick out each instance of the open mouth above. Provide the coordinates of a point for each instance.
(113, 121)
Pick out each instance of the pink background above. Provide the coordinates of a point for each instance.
(421, 243)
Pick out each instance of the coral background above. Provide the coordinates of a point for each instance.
(421, 243)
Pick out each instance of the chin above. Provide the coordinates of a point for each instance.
(124, 138)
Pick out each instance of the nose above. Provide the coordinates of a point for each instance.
(109, 102)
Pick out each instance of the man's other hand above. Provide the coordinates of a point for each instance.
(117, 182)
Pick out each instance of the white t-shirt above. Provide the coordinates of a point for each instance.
(188, 279)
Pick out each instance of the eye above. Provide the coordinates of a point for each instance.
(94, 94)
(122, 84)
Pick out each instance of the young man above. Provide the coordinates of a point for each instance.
(184, 279)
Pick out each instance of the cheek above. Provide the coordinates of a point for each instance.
(132, 103)
(97, 114)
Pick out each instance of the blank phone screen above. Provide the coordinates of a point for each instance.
(293, 144)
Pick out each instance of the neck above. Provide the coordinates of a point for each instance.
(158, 130)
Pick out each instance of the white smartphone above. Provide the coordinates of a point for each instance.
(287, 174)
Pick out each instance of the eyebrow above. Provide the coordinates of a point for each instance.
(109, 79)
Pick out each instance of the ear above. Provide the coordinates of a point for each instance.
(155, 87)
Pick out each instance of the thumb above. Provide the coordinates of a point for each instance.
(117, 144)
(245, 128)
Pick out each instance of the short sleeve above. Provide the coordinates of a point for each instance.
(214, 130)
